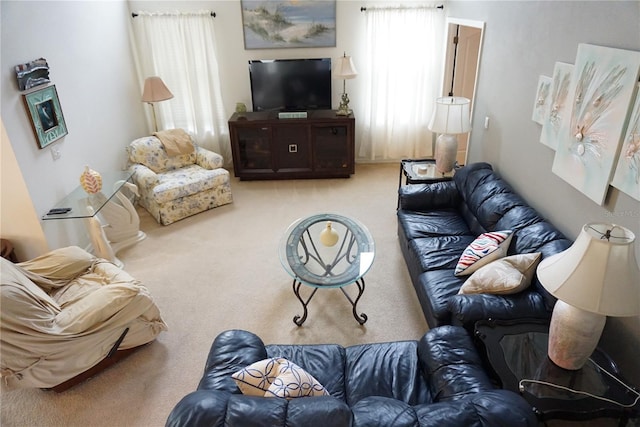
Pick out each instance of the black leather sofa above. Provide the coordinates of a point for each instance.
(436, 381)
(437, 221)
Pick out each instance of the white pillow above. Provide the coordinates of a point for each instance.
(508, 275)
(277, 377)
(485, 248)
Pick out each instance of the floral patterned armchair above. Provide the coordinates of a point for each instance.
(175, 187)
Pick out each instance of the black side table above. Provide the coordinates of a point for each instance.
(517, 353)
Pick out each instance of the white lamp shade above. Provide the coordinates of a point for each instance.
(345, 69)
(155, 90)
(596, 274)
(451, 115)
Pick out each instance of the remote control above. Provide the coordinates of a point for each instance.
(58, 211)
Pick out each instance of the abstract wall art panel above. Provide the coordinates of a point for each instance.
(557, 104)
(600, 94)
(627, 172)
(541, 104)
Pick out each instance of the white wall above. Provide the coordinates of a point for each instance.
(87, 47)
(523, 40)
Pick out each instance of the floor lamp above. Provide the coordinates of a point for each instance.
(344, 71)
(596, 277)
(155, 91)
(450, 117)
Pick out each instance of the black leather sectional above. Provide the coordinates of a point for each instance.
(437, 221)
(436, 381)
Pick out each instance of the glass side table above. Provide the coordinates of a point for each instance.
(421, 171)
(517, 353)
(312, 263)
(122, 223)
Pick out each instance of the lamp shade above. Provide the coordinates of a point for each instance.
(451, 115)
(598, 273)
(345, 69)
(155, 90)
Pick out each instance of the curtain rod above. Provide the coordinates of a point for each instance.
(364, 9)
(134, 14)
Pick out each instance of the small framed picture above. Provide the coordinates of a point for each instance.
(46, 115)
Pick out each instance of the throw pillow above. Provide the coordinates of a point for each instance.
(508, 275)
(277, 377)
(485, 248)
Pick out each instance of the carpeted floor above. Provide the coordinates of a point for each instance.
(220, 270)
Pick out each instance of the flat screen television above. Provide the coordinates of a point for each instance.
(290, 84)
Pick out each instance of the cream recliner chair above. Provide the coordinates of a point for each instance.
(66, 312)
(177, 180)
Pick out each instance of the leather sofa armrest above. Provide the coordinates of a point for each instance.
(143, 176)
(451, 365)
(425, 197)
(466, 310)
(487, 409)
(231, 351)
(208, 159)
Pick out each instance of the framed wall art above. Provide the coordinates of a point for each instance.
(627, 173)
(32, 74)
(283, 24)
(600, 96)
(46, 116)
(541, 104)
(556, 105)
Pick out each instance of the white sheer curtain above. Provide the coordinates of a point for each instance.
(404, 54)
(180, 48)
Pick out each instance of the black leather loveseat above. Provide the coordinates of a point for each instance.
(437, 381)
(437, 221)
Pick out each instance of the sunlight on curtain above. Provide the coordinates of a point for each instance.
(404, 54)
(181, 49)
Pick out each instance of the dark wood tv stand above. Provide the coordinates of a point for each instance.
(266, 147)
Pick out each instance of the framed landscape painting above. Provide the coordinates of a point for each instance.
(627, 172)
(283, 24)
(602, 87)
(46, 115)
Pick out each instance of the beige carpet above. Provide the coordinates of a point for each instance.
(220, 270)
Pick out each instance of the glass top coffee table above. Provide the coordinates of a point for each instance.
(313, 263)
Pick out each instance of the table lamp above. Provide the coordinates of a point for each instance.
(344, 70)
(450, 117)
(597, 276)
(155, 91)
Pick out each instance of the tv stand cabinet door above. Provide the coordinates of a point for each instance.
(252, 150)
(292, 148)
(333, 150)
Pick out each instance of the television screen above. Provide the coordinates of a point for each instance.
(290, 84)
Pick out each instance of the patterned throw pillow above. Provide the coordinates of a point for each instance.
(504, 276)
(277, 377)
(485, 248)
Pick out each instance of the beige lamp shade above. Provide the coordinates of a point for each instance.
(598, 273)
(155, 90)
(344, 69)
(451, 115)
